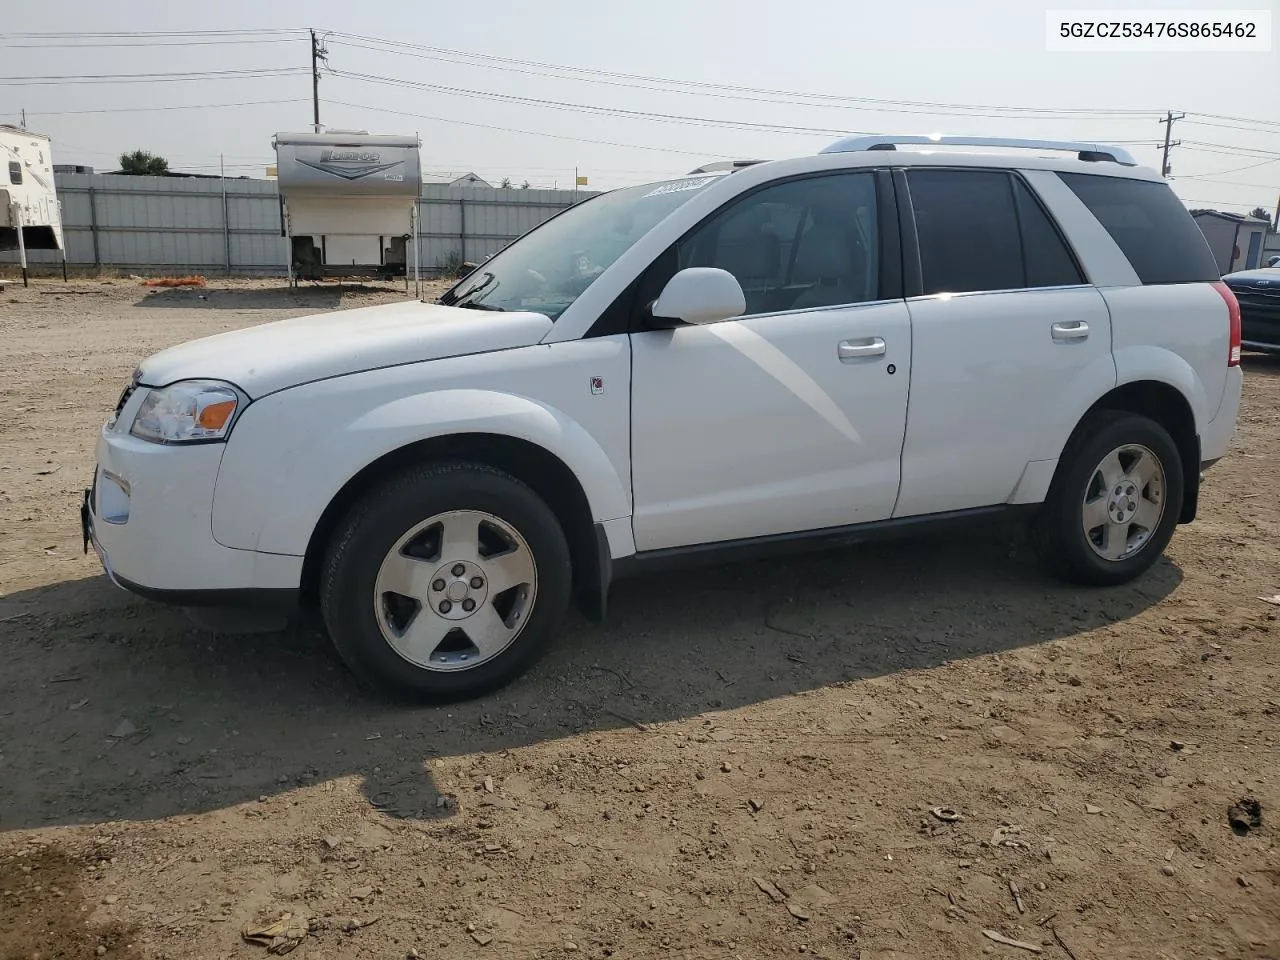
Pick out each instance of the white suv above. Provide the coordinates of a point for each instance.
(816, 350)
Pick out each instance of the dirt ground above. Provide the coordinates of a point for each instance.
(741, 763)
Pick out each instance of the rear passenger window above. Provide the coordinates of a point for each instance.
(1048, 261)
(968, 230)
(1150, 226)
(15, 172)
(984, 230)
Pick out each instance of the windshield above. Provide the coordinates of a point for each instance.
(550, 267)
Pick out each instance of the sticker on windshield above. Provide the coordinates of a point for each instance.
(677, 185)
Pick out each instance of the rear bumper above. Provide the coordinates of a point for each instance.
(1217, 434)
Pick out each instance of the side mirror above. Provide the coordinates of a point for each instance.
(700, 295)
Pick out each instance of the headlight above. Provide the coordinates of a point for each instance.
(187, 411)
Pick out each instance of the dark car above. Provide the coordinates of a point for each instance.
(1259, 294)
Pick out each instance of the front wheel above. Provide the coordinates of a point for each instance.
(446, 582)
(1114, 501)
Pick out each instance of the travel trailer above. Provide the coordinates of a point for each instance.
(348, 201)
(30, 216)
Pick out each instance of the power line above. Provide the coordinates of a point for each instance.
(1252, 166)
(128, 34)
(1227, 183)
(93, 45)
(1230, 150)
(488, 60)
(591, 108)
(1220, 116)
(258, 73)
(1219, 203)
(1232, 126)
(193, 106)
(529, 133)
(825, 102)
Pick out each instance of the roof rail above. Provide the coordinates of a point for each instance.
(1092, 152)
(719, 165)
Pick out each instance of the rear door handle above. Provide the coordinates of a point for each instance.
(857, 349)
(1070, 330)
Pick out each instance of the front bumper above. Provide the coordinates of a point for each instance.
(1259, 321)
(148, 516)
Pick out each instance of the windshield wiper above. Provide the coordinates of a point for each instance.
(472, 305)
(471, 291)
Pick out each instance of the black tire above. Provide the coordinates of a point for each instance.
(1057, 531)
(374, 525)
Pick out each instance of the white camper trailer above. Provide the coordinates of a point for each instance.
(30, 217)
(347, 202)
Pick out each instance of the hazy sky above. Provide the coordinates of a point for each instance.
(979, 52)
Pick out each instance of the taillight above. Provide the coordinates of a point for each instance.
(1233, 319)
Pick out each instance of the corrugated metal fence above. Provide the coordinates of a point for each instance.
(232, 227)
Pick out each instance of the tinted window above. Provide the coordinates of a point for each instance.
(968, 230)
(795, 245)
(15, 171)
(1048, 262)
(1150, 225)
(985, 230)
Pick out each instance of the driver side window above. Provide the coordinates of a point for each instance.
(796, 245)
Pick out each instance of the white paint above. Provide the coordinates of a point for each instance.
(701, 295)
(745, 427)
(274, 356)
(754, 426)
(283, 466)
(991, 389)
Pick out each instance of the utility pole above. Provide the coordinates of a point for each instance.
(24, 118)
(318, 56)
(1168, 130)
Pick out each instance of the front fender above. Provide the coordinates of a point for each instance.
(279, 472)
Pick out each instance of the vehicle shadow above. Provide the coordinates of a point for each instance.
(1267, 364)
(113, 708)
(311, 296)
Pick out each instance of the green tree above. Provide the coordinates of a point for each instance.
(1261, 213)
(525, 185)
(506, 183)
(140, 163)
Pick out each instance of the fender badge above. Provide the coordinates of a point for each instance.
(597, 385)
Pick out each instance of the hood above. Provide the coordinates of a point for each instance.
(1267, 277)
(286, 353)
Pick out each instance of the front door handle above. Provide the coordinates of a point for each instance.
(1070, 330)
(857, 349)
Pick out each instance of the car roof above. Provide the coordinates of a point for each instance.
(941, 158)
(922, 151)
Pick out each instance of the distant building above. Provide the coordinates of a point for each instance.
(1270, 248)
(71, 168)
(170, 173)
(454, 179)
(1236, 240)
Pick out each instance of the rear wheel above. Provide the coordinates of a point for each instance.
(1114, 503)
(446, 582)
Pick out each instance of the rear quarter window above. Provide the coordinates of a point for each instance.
(1150, 226)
